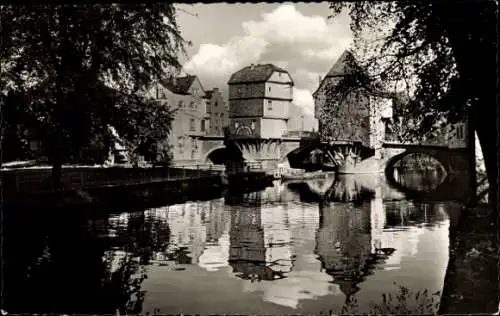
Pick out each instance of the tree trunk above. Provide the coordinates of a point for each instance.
(487, 132)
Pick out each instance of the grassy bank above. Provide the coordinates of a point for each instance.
(472, 280)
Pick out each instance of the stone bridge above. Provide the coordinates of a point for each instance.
(456, 163)
(269, 152)
(454, 160)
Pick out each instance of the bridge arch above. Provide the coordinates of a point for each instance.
(392, 161)
(441, 156)
(454, 184)
(295, 156)
(213, 154)
(390, 167)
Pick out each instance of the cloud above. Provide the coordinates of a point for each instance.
(306, 46)
(304, 99)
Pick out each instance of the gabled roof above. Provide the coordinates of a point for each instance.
(179, 85)
(255, 73)
(346, 64)
(341, 67)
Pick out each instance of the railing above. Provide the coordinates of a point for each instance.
(250, 166)
(294, 134)
(40, 180)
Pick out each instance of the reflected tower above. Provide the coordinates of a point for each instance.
(260, 241)
(344, 244)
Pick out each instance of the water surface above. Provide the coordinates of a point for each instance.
(294, 248)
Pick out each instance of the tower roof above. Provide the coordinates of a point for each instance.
(347, 64)
(255, 73)
(343, 65)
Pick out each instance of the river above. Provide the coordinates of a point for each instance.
(294, 248)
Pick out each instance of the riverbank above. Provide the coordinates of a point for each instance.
(472, 281)
(116, 191)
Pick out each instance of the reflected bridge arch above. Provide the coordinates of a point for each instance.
(454, 162)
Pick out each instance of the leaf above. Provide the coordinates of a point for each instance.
(63, 57)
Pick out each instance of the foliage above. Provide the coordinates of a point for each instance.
(76, 69)
(405, 302)
(413, 56)
(442, 54)
(124, 285)
(344, 115)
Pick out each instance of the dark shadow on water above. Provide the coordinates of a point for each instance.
(59, 261)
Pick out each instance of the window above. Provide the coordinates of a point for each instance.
(191, 105)
(202, 125)
(192, 126)
(269, 105)
(215, 104)
(269, 89)
(222, 115)
(181, 103)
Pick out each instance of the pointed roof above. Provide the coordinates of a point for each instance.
(179, 85)
(342, 66)
(255, 73)
(346, 64)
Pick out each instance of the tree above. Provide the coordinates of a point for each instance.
(81, 68)
(443, 53)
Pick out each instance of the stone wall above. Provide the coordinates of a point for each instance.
(246, 108)
(247, 90)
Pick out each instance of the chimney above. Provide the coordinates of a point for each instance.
(252, 66)
(319, 79)
(216, 89)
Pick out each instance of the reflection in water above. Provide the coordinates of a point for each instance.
(343, 244)
(426, 181)
(260, 244)
(292, 248)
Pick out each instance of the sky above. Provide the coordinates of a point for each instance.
(296, 36)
